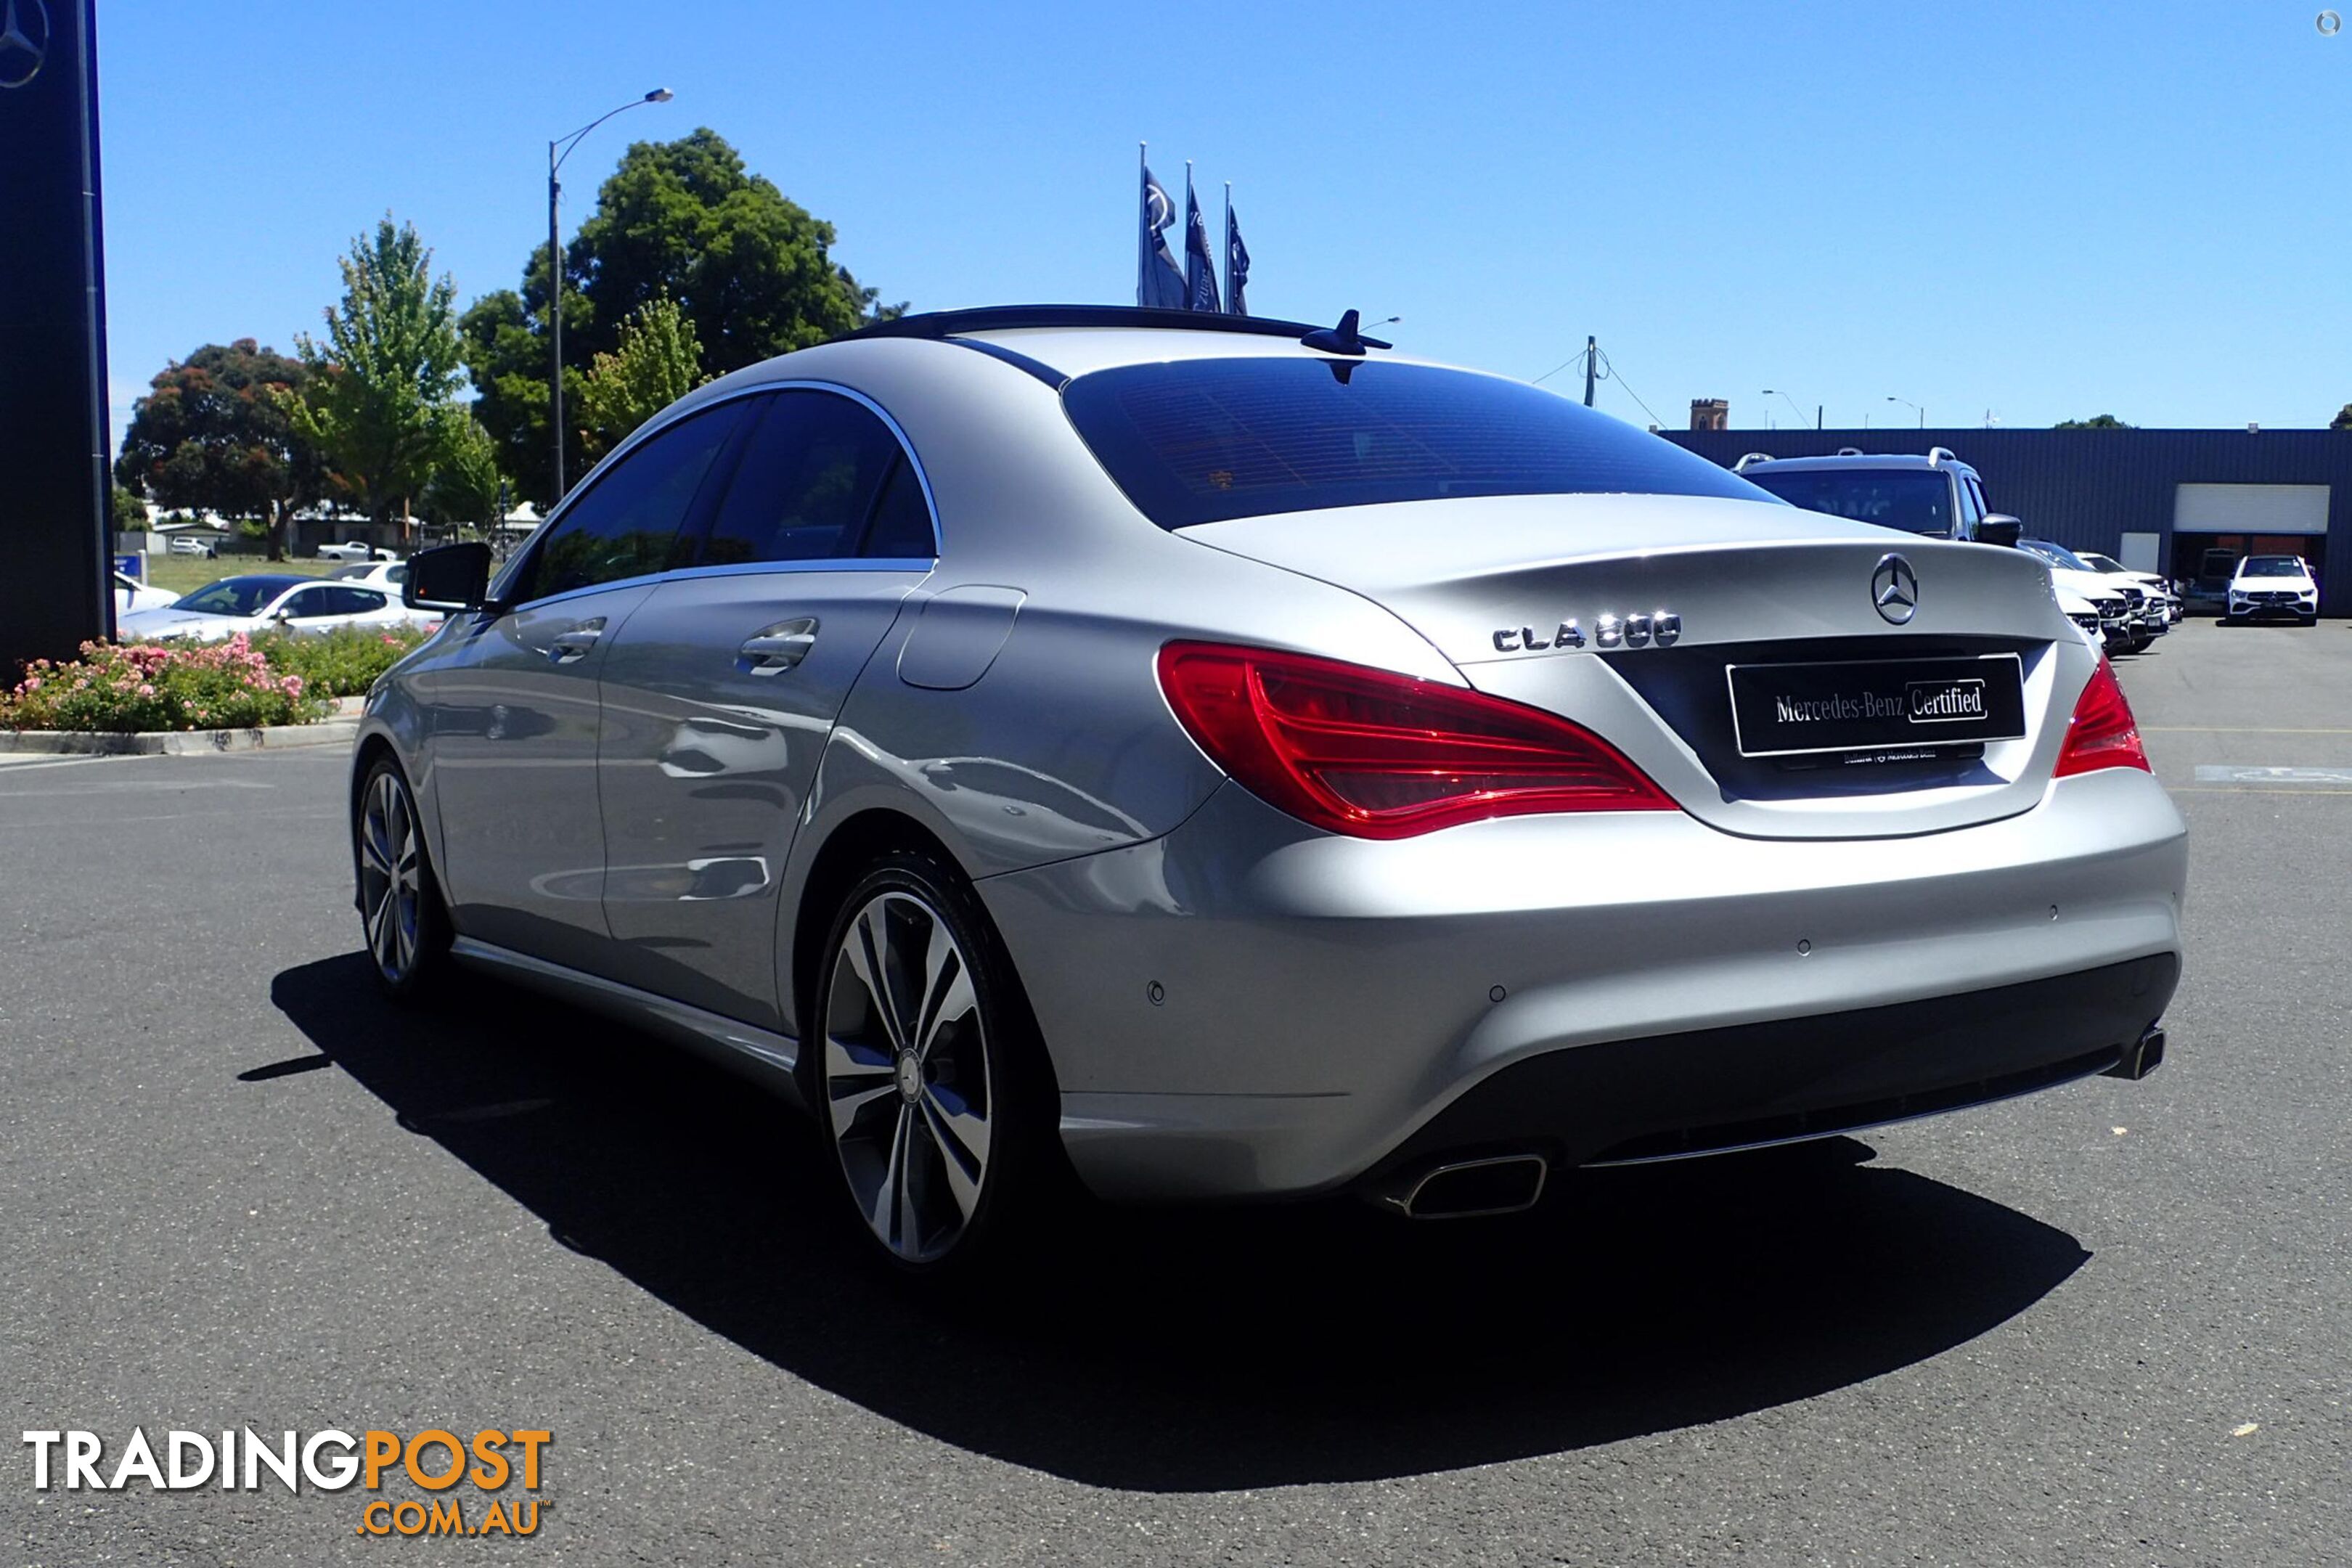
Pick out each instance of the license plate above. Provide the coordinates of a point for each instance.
(1791, 710)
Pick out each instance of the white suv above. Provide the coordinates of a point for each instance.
(2273, 586)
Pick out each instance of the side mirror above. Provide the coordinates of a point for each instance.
(2000, 528)
(452, 578)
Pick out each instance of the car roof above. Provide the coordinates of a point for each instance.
(1059, 343)
(275, 579)
(1854, 461)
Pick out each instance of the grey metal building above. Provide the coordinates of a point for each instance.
(2176, 501)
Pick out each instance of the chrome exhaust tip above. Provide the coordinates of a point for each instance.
(2140, 1060)
(1470, 1189)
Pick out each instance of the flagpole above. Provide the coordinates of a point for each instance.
(1228, 246)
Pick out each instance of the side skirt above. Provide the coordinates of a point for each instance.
(768, 1058)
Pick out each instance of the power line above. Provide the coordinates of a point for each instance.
(1609, 370)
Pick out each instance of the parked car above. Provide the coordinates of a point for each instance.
(193, 544)
(2143, 618)
(268, 602)
(2084, 613)
(355, 551)
(1218, 758)
(2274, 587)
(2158, 586)
(131, 595)
(1938, 496)
(388, 574)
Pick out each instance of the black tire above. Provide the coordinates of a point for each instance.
(403, 921)
(917, 1209)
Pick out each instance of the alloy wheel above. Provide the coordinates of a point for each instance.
(907, 1086)
(391, 875)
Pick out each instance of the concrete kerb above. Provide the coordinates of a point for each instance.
(179, 743)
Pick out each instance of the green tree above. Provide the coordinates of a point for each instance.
(752, 270)
(128, 513)
(465, 488)
(213, 434)
(2342, 420)
(381, 400)
(2096, 422)
(659, 361)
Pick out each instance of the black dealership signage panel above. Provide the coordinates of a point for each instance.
(54, 590)
(1787, 709)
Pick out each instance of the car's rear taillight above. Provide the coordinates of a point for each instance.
(2102, 733)
(1379, 755)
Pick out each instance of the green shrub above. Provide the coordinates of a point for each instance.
(343, 662)
(142, 687)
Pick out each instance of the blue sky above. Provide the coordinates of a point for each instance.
(2044, 211)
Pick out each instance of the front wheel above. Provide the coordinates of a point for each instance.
(400, 914)
(928, 1077)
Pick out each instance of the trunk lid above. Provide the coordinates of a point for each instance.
(1493, 582)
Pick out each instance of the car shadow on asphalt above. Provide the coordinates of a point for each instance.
(1203, 1350)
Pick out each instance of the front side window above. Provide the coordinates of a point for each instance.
(1916, 500)
(307, 601)
(812, 475)
(627, 524)
(1196, 441)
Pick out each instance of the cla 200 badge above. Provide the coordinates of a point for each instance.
(1663, 627)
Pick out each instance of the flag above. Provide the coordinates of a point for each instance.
(1159, 282)
(1200, 270)
(1236, 264)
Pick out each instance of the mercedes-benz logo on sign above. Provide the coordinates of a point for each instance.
(1895, 589)
(23, 41)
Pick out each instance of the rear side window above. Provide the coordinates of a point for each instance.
(1205, 440)
(628, 525)
(807, 483)
(901, 529)
(352, 601)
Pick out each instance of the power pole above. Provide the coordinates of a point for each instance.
(1591, 357)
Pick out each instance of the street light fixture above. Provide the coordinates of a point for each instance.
(1913, 407)
(557, 151)
(1791, 402)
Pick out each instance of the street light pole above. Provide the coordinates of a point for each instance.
(1791, 402)
(557, 151)
(1913, 407)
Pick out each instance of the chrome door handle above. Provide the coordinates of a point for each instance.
(571, 646)
(778, 648)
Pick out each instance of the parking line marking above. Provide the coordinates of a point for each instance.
(2252, 789)
(2249, 774)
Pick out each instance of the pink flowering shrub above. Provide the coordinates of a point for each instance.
(142, 687)
(343, 662)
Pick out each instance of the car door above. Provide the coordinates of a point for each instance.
(323, 607)
(514, 709)
(721, 690)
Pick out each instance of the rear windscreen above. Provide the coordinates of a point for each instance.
(1916, 500)
(1204, 440)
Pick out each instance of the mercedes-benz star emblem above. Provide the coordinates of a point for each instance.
(1895, 589)
(24, 49)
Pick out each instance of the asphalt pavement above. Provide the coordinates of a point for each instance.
(2111, 1324)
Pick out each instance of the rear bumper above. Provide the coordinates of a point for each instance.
(1714, 1090)
(1246, 1007)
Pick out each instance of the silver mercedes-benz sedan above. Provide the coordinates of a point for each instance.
(1221, 758)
